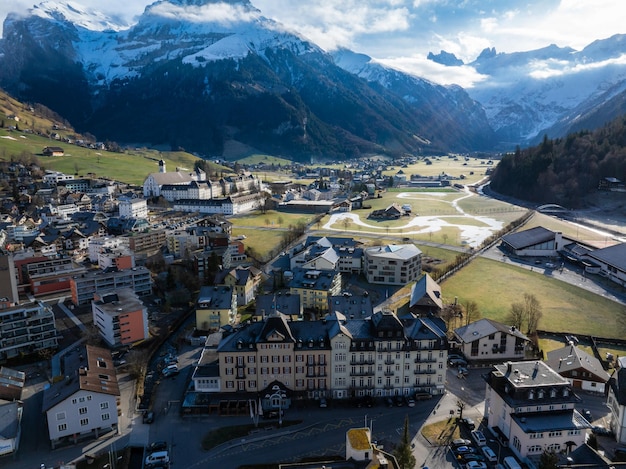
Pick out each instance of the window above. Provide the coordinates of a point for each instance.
(82, 410)
(105, 417)
(62, 427)
(81, 399)
(74, 401)
(84, 422)
(61, 416)
(104, 405)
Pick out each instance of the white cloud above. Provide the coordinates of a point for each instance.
(222, 13)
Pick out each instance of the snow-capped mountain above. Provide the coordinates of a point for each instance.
(553, 90)
(210, 76)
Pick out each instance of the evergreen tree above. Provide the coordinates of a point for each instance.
(403, 452)
(549, 460)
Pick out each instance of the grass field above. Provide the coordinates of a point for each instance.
(495, 285)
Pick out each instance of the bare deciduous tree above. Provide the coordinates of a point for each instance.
(516, 317)
(533, 312)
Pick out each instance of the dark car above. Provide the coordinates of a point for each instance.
(468, 422)
(148, 417)
(460, 442)
(464, 450)
(601, 431)
(587, 414)
(157, 446)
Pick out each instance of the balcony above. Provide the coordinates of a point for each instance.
(390, 361)
(388, 373)
(425, 360)
(364, 361)
(425, 372)
(363, 373)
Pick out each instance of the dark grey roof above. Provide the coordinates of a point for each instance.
(527, 238)
(483, 328)
(614, 256)
(535, 422)
(351, 305)
(284, 303)
(312, 279)
(316, 334)
(9, 420)
(426, 292)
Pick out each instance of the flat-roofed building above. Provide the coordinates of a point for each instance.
(394, 264)
(120, 317)
(84, 286)
(26, 330)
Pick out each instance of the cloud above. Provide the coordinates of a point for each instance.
(464, 75)
(221, 13)
(541, 69)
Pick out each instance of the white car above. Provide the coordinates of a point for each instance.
(489, 454)
(475, 465)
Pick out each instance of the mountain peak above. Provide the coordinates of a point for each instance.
(445, 58)
(76, 14)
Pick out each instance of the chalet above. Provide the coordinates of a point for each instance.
(426, 297)
(487, 340)
(583, 371)
(393, 212)
(53, 151)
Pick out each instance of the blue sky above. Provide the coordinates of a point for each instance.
(400, 33)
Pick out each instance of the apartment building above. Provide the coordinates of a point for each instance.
(26, 329)
(336, 357)
(394, 264)
(216, 307)
(84, 286)
(532, 409)
(315, 287)
(120, 317)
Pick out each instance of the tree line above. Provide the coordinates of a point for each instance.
(564, 170)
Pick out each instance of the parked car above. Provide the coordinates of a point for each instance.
(323, 402)
(389, 402)
(476, 465)
(479, 438)
(399, 401)
(157, 446)
(587, 414)
(148, 417)
(490, 454)
(460, 442)
(410, 401)
(468, 422)
(464, 450)
(457, 362)
(471, 457)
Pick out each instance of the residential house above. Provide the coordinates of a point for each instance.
(120, 317)
(610, 262)
(84, 403)
(315, 287)
(426, 299)
(244, 280)
(531, 408)
(53, 151)
(133, 208)
(216, 307)
(392, 212)
(394, 264)
(584, 371)
(490, 341)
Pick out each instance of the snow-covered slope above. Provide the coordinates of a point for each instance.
(530, 93)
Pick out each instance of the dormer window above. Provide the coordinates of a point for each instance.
(531, 394)
(565, 392)
(553, 393)
(540, 394)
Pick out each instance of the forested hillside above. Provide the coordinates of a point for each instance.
(564, 170)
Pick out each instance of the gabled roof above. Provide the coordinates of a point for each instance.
(87, 368)
(483, 328)
(426, 292)
(570, 358)
(527, 238)
(10, 416)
